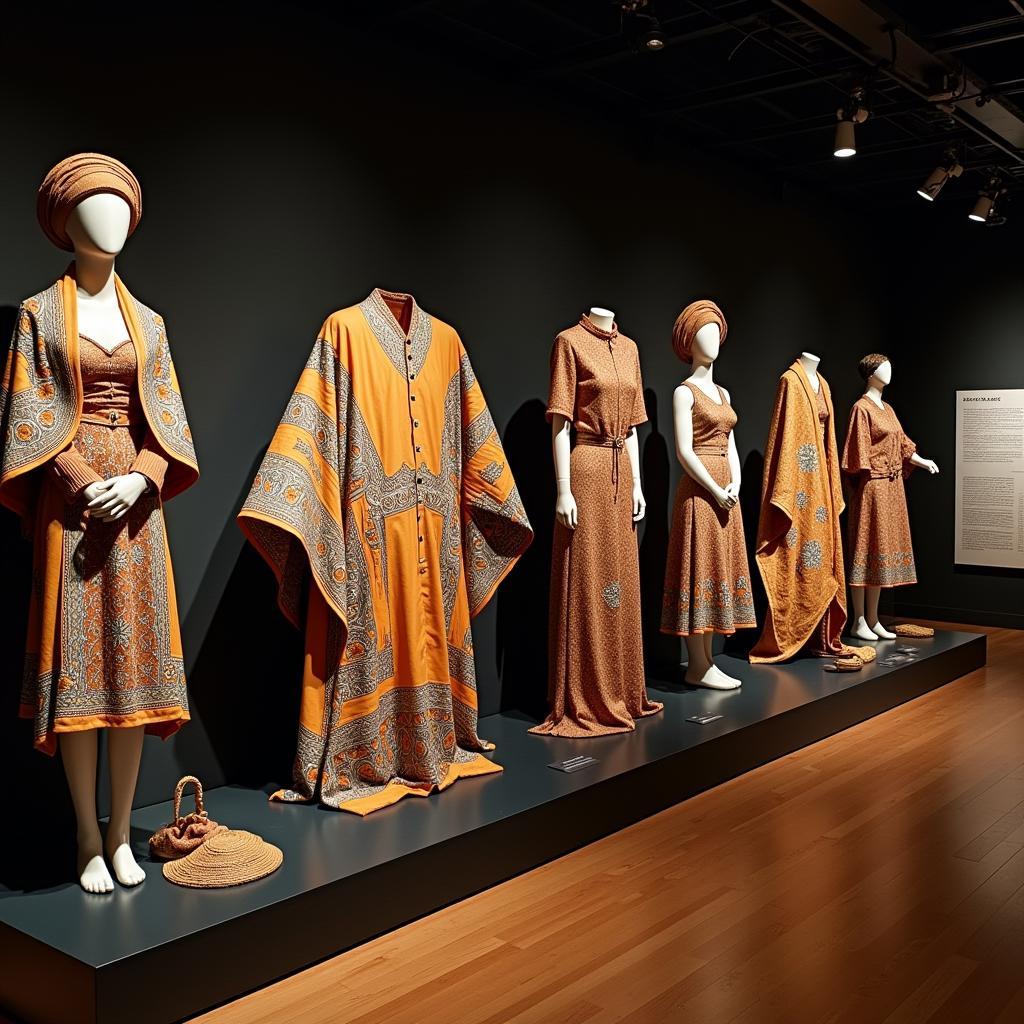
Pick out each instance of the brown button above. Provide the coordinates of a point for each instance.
(418, 448)
(408, 341)
(412, 376)
(422, 571)
(415, 423)
(412, 398)
(421, 536)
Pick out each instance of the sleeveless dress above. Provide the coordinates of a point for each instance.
(707, 582)
(596, 681)
(106, 612)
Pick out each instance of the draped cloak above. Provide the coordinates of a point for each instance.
(387, 510)
(41, 398)
(799, 541)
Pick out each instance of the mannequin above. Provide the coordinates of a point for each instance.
(877, 455)
(101, 439)
(566, 512)
(810, 362)
(707, 581)
(98, 226)
(596, 683)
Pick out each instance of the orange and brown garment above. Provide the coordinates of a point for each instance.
(799, 541)
(596, 683)
(103, 646)
(877, 458)
(707, 582)
(387, 510)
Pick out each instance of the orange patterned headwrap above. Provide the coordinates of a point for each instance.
(690, 321)
(75, 178)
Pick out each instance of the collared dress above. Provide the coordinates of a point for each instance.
(707, 581)
(387, 510)
(876, 458)
(104, 614)
(596, 683)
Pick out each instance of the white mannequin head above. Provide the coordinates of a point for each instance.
(706, 344)
(876, 370)
(99, 224)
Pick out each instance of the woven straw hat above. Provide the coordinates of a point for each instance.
(230, 857)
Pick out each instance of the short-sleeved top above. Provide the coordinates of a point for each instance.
(875, 442)
(595, 380)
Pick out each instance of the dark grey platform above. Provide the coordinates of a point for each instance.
(159, 953)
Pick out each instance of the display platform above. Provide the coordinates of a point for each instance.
(160, 953)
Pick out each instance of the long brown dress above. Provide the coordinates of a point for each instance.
(876, 456)
(120, 668)
(596, 663)
(707, 581)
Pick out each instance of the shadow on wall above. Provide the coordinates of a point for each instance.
(740, 643)
(661, 652)
(246, 681)
(522, 627)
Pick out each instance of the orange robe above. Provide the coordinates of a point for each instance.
(387, 510)
(104, 645)
(799, 541)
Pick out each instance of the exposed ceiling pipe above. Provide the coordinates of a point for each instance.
(893, 74)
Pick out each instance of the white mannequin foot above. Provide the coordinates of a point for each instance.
(713, 679)
(126, 867)
(95, 877)
(880, 631)
(862, 631)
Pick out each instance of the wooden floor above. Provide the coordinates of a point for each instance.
(876, 876)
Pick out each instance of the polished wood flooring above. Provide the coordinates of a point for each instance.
(875, 876)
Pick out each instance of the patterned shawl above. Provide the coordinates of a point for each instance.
(799, 541)
(41, 391)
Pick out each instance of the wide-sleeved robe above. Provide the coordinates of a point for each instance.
(386, 509)
(799, 541)
(91, 661)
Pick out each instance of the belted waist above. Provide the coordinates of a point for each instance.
(113, 418)
(711, 449)
(615, 442)
(599, 440)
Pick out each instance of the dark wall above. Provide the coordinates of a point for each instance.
(956, 322)
(284, 181)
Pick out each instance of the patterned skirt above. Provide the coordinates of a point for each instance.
(103, 649)
(707, 582)
(596, 682)
(881, 554)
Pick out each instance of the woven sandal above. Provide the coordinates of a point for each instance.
(913, 630)
(845, 664)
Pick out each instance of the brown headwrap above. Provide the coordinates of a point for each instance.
(690, 321)
(75, 178)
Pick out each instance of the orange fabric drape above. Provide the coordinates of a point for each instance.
(799, 543)
(387, 510)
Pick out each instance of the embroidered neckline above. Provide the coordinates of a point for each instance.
(589, 325)
(398, 345)
(380, 296)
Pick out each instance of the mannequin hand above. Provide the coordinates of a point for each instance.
(929, 465)
(733, 490)
(110, 499)
(565, 510)
(723, 497)
(639, 504)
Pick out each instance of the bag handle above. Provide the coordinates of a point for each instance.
(179, 791)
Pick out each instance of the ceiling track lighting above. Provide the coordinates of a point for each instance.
(642, 26)
(950, 166)
(852, 113)
(988, 206)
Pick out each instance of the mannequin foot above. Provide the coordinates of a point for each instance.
(862, 631)
(728, 682)
(712, 679)
(881, 632)
(126, 867)
(94, 876)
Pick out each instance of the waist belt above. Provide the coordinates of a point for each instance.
(615, 442)
(710, 449)
(113, 418)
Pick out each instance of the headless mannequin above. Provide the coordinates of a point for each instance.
(865, 605)
(98, 227)
(561, 449)
(701, 669)
(810, 362)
